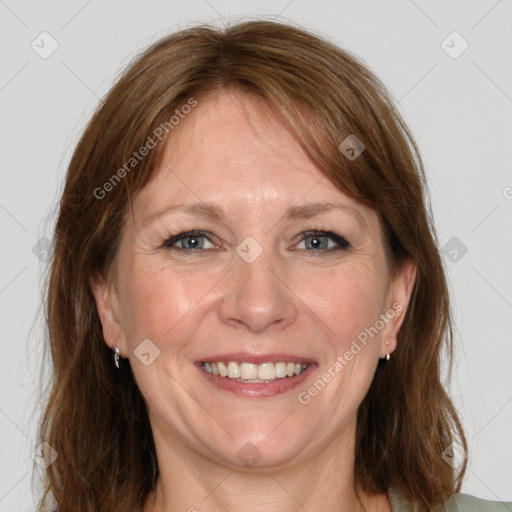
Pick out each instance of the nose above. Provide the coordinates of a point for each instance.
(258, 296)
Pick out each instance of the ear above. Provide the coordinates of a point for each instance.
(401, 288)
(108, 311)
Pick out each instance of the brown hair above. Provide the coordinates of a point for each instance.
(95, 416)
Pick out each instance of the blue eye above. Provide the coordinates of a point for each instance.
(318, 241)
(191, 240)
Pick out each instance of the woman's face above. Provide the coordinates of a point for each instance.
(263, 282)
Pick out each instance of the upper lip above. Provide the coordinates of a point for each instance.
(244, 357)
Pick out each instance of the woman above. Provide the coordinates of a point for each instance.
(246, 304)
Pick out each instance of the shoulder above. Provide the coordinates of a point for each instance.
(456, 503)
(467, 503)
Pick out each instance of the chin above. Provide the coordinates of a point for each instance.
(269, 448)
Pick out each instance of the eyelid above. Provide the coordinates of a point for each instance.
(170, 241)
(340, 241)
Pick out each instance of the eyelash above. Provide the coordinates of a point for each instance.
(342, 242)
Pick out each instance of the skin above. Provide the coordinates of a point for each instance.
(233, 152)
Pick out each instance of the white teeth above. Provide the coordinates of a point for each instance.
(233, 370)
(280, 370)
(250, 372)
(266, 371)
(223, 371)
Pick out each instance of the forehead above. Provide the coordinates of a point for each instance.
(234, 151)
(237, 134)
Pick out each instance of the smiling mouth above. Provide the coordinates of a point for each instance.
(251, 373)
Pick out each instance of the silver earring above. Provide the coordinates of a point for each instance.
(116, 357)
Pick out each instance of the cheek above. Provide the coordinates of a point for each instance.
(161, 304)
(347, 300)
(351, 307)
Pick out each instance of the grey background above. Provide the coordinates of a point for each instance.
(459, 110)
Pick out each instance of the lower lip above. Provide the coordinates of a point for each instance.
(257, 390)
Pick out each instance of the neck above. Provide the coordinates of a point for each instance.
(193, 483)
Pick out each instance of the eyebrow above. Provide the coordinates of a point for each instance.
(215, 213)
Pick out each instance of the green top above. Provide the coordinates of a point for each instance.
(456, 503)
